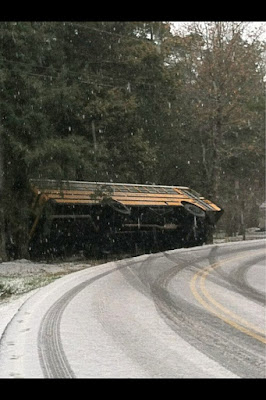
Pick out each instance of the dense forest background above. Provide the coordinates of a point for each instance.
(132, 102)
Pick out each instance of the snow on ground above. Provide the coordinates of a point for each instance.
(20, 276)
(9, 307)
(20, 279)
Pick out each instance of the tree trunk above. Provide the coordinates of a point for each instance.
(3, 255)
(94, 140)
(22, 231)
(22, 243)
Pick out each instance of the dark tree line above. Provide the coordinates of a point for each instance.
(131, 102)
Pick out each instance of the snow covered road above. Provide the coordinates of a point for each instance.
(187, 313)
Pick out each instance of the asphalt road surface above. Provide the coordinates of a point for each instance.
(187, 313)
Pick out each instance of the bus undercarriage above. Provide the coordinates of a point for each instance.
(63, 227)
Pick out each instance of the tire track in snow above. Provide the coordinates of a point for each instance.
(53, 360)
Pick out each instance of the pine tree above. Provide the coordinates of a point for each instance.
(221, 123)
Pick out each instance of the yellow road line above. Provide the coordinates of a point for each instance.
(245, 326)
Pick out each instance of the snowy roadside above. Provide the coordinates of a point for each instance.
(20, 279)
(9, 307)
(20, 276)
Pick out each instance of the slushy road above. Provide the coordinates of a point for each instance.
(187, 313)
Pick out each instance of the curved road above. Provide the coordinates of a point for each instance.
(187, 313)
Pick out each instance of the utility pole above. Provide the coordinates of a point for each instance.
(3, 256)
(242, 220)
(94, 140)
(241, 209)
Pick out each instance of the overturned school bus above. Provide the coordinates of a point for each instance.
(95, 217)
